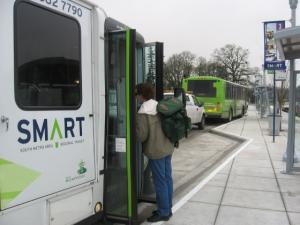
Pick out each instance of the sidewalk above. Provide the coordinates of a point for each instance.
(250, 190)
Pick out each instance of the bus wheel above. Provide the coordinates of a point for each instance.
(229, 116)
(201, 125)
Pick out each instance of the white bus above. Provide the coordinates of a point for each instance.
(68, 152)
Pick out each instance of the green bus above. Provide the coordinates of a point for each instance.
(221, 98)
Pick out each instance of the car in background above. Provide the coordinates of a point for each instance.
(194, 109)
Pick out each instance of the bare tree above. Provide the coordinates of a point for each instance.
(234, 59)
(171, 73)
(229, 63)
(209, 68)
(249, 78)
(187, 60)
(177, 67)
(201, 66)
(216, 70)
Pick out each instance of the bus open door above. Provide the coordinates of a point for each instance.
(127, 178)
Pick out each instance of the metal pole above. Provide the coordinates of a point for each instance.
(266, 95)
(262, 96)
(261, 102)
(274, 104)
(265, 91)
(292, 98)
(291, 120)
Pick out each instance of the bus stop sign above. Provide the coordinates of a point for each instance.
(271, 60)
(278, 65)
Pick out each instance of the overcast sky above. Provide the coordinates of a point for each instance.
(200, 26)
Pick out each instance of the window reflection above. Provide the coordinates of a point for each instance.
(48, 62)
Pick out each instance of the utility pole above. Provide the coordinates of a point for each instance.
(292, 100)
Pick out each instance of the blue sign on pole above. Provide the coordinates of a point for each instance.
(279, 65)
(270, 51)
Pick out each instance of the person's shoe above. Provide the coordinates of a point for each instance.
(156, 218)
(155, 212)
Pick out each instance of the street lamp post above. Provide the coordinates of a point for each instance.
(293, 6)
(292, 100)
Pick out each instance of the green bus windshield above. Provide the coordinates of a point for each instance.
(202, 88)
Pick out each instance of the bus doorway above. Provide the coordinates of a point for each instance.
(127, 178)
(152, 60)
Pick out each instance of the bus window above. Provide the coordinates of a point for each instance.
(47, 76)
(229, 91)
(202, 88)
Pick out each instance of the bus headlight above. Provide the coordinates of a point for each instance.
(98, 207)
(219, 106)
(212, 108)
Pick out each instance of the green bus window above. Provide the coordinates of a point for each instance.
(202, 88)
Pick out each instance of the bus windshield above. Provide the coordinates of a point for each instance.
(202, 88)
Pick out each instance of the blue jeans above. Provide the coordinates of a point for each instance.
(162, 175)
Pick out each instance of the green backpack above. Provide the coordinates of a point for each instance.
(174, 120)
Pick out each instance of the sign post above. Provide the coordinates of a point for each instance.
(274, 104)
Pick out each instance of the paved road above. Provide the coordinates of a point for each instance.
(198, 155)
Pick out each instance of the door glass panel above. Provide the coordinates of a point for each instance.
(151, 57)
(140, 65)
(145, 187)
(150, 64)
(297, 122)
(116, 194)
(141, 160)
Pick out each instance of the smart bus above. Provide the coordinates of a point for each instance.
(68, 152)
(221, 98)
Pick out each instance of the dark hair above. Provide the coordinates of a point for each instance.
(146, 90)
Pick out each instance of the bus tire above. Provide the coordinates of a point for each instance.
(243, 111)
(201, 125)
(229, 119)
